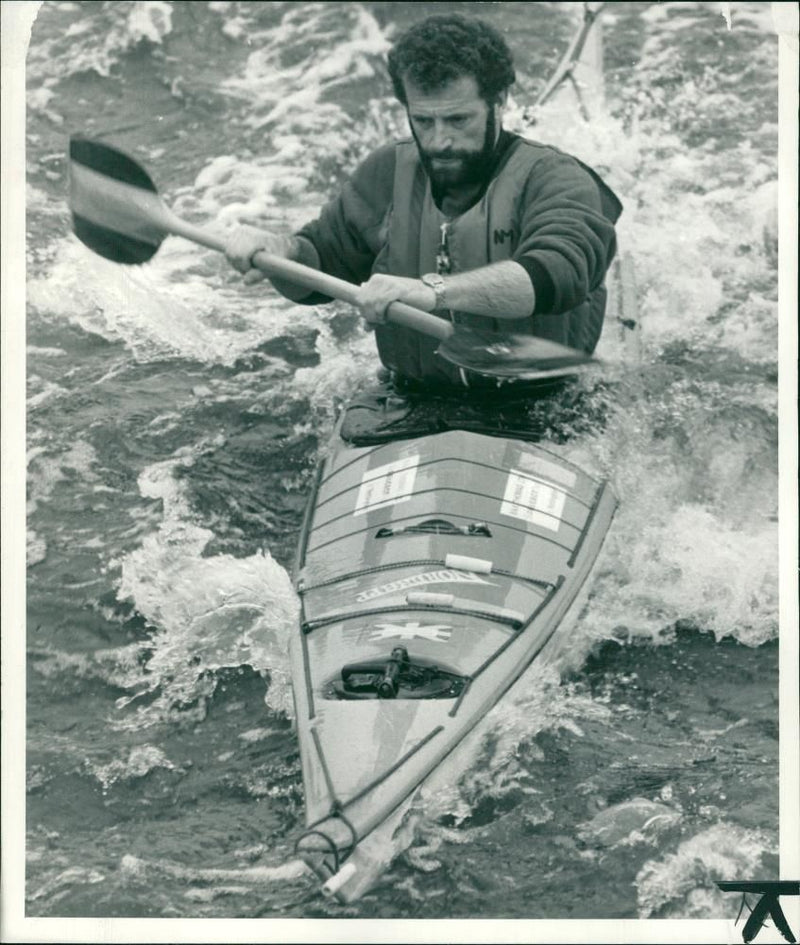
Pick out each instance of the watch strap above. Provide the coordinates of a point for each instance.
(434, 281)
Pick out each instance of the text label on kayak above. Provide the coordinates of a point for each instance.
(387, 485)
(445, 576)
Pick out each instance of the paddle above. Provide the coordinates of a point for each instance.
(117, 213)
(572, 59)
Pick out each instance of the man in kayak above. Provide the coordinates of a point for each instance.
(467, 220)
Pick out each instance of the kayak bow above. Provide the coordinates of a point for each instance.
(433, 570)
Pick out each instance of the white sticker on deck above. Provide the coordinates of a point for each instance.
(536, 464)
(387, 485)
(533, 501)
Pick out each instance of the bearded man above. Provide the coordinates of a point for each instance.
(467, 220)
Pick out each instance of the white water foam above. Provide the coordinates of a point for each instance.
(695, 536)
(118, 667)
(137, 870)
(631, 822)
(688, 264)
(141, 760)
(682, 884)
(691, 460)
(344, 368)
(205, 321)
(207, 613)
(47, 469)
(62, 883)
(293, 94)
(96, 44)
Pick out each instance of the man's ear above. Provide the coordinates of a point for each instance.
(500, 104)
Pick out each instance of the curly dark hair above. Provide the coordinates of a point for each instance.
(442, 48)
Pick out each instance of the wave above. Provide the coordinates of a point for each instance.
(91, 43)
(207, 613)
(296, 63)
(682, 884)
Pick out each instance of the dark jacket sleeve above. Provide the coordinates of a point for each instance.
(567, 238)
(349, 231)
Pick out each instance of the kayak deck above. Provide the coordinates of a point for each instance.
(432, 572)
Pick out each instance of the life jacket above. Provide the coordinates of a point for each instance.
(488, 232)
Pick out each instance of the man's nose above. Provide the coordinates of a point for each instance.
(442, 139)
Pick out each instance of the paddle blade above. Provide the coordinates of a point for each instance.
(111, 244)
(109, 161)
(521, 356)
(116, 210)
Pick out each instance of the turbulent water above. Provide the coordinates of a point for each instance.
(174, 418)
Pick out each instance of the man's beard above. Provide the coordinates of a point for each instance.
(468, 167)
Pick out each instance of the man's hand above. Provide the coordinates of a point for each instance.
(245, 241)
(375, 296)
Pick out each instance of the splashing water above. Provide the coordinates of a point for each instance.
(723, 852)
(175, 418)
(210, 613)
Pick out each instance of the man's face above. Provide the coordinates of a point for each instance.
(455, 131)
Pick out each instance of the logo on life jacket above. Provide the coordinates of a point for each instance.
(501, 235)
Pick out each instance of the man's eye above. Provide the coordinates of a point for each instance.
(457, 121)
(423, 122)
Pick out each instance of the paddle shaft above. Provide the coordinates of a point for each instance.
(142, 214)
(118, 214)
(399, 313)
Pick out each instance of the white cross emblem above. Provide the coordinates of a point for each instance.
(410, 631)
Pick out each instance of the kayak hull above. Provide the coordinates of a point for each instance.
(433, 571)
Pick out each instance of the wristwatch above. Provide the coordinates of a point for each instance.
(435, 282)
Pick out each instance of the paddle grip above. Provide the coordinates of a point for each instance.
(399, 313)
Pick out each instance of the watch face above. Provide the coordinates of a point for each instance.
(435, 282)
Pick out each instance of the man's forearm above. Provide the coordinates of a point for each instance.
(303, 251)
(502, 290)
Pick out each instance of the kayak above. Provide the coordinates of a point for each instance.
(432, 571)
(435, 567)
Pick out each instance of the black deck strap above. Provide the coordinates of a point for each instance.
(528, 622)
(325, 772)
(311, 625)
(435, 461)
(312, 831)
(307, 674)
(600, 492)
(418, 563)
(305, 531)
(337, 811)
(399, 763)
(460, 699)
(318, 833)
(303, 588)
